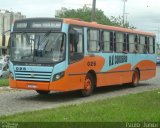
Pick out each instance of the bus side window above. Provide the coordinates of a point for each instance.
(111, 41)
(141, 44)
(136, 43)
(151, 45)
(93, 40)
(114, 42)
(131, 43)
(146, 45)
(125, 42)
(128, 42)
(119, 42)
(106, 41)
(75, 44)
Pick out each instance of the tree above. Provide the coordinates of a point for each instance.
(85, 15)
(117, 21)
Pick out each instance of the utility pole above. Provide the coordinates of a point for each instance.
(124, 7)
(126, 17)
(93, 16)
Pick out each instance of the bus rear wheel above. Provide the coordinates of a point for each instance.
(135, 78)
(88, 86)
(42, 92)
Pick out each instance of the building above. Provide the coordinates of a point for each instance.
(6, 20)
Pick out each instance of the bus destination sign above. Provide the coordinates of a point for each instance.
(47, 24)
(38, 24)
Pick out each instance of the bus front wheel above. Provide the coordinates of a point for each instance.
(42, 92)
(135, 78)
(88, 85)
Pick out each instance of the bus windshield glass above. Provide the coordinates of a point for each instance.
(37, 47)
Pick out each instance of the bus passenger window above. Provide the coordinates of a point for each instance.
(111, 41)
(125, 43)
(119, 42)
(146, 45)
(75, 44)
(106, 41)
(151, 45)
(93, 40)
(141, 44)
(131, 43)
(136, 41)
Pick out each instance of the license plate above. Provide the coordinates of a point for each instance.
(32, 86)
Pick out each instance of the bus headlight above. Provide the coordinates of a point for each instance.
(11, 75)
(58, 76)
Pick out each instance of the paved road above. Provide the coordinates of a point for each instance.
(13, 101)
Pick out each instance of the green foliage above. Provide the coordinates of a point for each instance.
(85, 15)
(4, 82)
(141, 107)
(117, 21)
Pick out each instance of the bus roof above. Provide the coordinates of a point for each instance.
(106, 27)
(78, 22)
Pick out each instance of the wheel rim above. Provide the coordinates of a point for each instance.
(87, 84)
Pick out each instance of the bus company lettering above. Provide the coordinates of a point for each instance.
(117, 59)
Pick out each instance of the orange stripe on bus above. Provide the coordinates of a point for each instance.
(147, 69)
(118, 75)
(145, 64)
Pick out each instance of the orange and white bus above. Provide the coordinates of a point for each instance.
(65, 54)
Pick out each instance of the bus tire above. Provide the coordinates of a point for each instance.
(135, 78)
(88, 86)
(40, 92)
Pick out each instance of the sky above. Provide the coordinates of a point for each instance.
(143, 14)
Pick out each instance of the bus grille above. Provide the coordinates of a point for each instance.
(33, 76)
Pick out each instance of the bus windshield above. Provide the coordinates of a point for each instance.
(37, 47)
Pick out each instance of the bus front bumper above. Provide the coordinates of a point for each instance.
(30, 85)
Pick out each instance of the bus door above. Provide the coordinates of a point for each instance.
(75, 58)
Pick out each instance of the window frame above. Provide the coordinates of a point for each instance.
(78, 27)
(141, 52)
(119, 42)
(153, 44)
(99, 41)
(110, 42)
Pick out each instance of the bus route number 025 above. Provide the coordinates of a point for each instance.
(91, 63)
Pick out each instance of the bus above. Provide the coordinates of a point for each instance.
(50, 54)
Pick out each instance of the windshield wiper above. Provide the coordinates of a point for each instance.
(44, 37)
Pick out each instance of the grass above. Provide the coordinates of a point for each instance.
(4, 82)
(141, 107)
